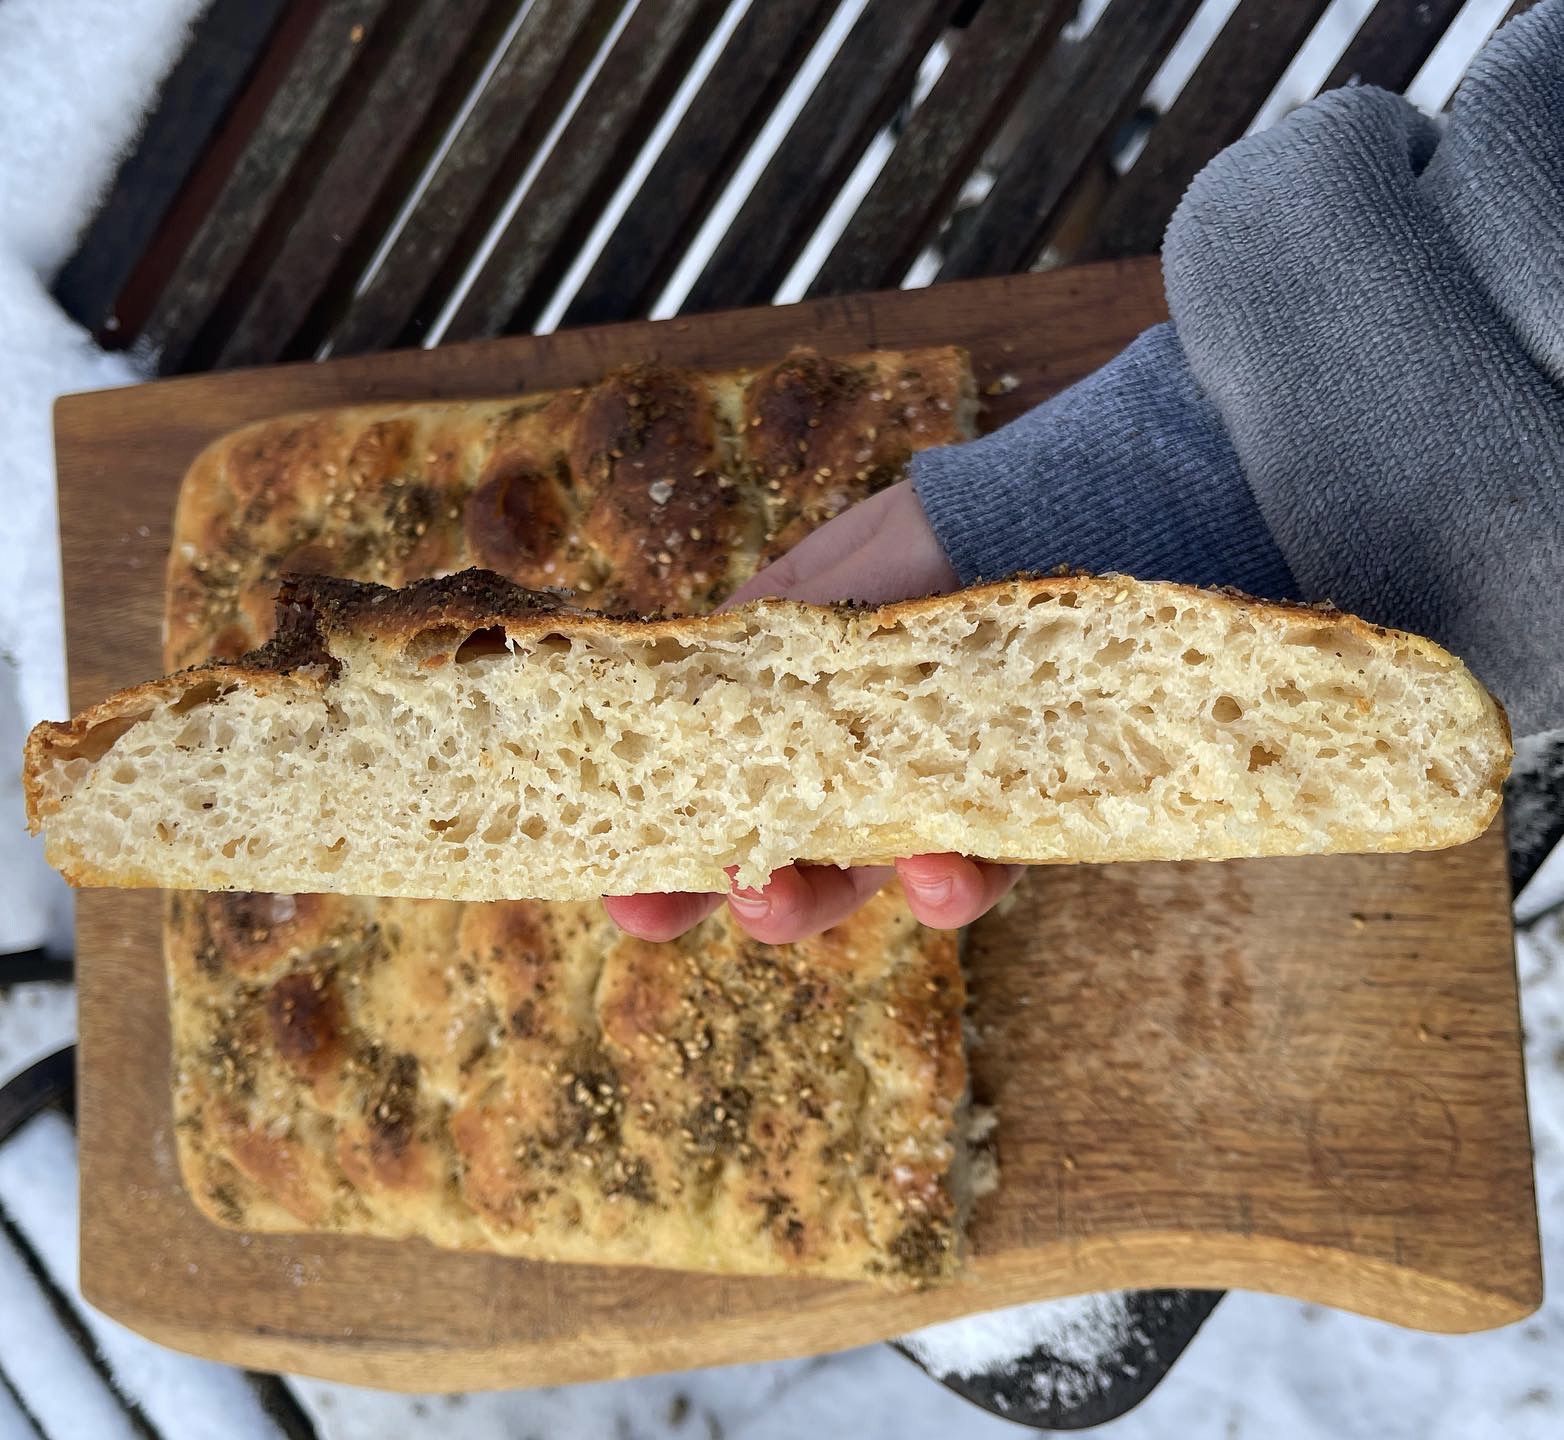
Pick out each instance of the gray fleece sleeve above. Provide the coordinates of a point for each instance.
(1361, 396)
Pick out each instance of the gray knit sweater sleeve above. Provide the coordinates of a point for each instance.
(1361, 395)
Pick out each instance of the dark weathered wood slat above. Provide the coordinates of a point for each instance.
(376, 159)
(941, 144)
(866, 80)
(1396, 37)
(1214, 109)
(143, 287)
(597, 146)
(320, 72)
(197, 94)
(499, 138)
(712, 138)
(1081, 94)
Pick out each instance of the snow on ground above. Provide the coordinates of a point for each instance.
(183, 1398)
(76, 74)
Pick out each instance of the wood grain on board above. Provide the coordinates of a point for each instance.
(1299, 1075)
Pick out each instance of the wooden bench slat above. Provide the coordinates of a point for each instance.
(596, 148)
(499, 138)
(941, 144)
(442, 41)
(866, 80)
(144, 286)
(1396, 37)
(706, 148)
(320, 73)
(1086, 89)
(1229, 86)
(194, 99)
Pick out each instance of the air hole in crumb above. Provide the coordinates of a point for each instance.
(551, 644)
(534, 828)
(99, 740)
(631, 747)
(491, 640)
(202, 694)
(1115, 651)
(1260, 756)
(164, 832)
(1166, 615)
(1225, 710)
(1194, 657)
(457, 829)
(437, 640)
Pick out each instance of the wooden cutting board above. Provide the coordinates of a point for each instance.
(1299, 1075)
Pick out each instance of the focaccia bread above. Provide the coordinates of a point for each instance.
(370, 1066)
(523, 1078)
(656, 490)
(467, 739)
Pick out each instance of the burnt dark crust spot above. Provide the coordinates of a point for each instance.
(225, 1203)
(311, 608)
(720, 1123)
(919, 1250)
(392, 1107)
(305, 1017)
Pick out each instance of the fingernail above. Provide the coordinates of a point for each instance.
(931, 892)
(751, 904)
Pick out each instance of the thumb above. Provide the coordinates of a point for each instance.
(881, 549)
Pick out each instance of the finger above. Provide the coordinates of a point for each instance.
(892, 564)
(800, 901)
(660, 917)
(821, 549)
(949, 891)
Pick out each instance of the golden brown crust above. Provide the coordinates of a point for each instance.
(383, 1067)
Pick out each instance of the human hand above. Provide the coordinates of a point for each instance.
(881, 550)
